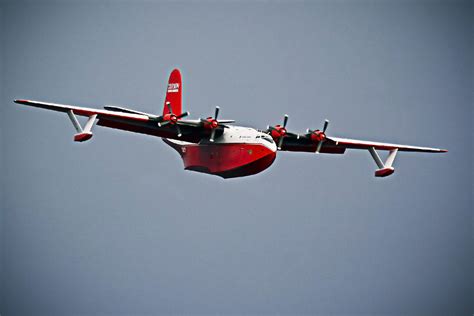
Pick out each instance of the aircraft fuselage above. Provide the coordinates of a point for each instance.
(240, 151)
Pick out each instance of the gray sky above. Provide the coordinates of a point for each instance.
(115, 225)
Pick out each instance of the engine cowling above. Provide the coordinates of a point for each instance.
(318, 137)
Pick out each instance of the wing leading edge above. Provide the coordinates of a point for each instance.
(82, 111)
(363, 144)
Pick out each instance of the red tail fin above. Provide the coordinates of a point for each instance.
(173, 93)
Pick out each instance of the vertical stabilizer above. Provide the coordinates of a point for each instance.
(173, 93)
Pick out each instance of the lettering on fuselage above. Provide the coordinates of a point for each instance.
(173, 87)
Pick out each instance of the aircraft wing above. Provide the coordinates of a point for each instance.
(121, 118)
(82, 111)
(336, 145)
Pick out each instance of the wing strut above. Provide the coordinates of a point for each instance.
(385, 169)
(82, 134)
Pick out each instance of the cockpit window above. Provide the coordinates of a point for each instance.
(268, 139)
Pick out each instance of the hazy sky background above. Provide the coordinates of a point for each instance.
(115, 225)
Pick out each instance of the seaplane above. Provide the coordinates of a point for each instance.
(216, 146)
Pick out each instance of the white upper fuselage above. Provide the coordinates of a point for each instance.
(239, 135)
(244, 135)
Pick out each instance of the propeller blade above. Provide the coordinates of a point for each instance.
(285, 120)
(164, 123)
(280, 142)
(309, 131)
(213, 133)
(320, 144)
(159, 119)
(216, 114)
(182, 115)
(192, 123)
(168, 104)
(178, 129)
(326, 123)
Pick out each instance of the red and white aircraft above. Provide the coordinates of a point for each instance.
(213, 146)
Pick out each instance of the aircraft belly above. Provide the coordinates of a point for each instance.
(227, 160)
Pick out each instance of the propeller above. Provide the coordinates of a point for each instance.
(279, 132)
(171, 118)
(212, 123)
(318, 136)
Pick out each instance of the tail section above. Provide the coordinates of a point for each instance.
(173, 93)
